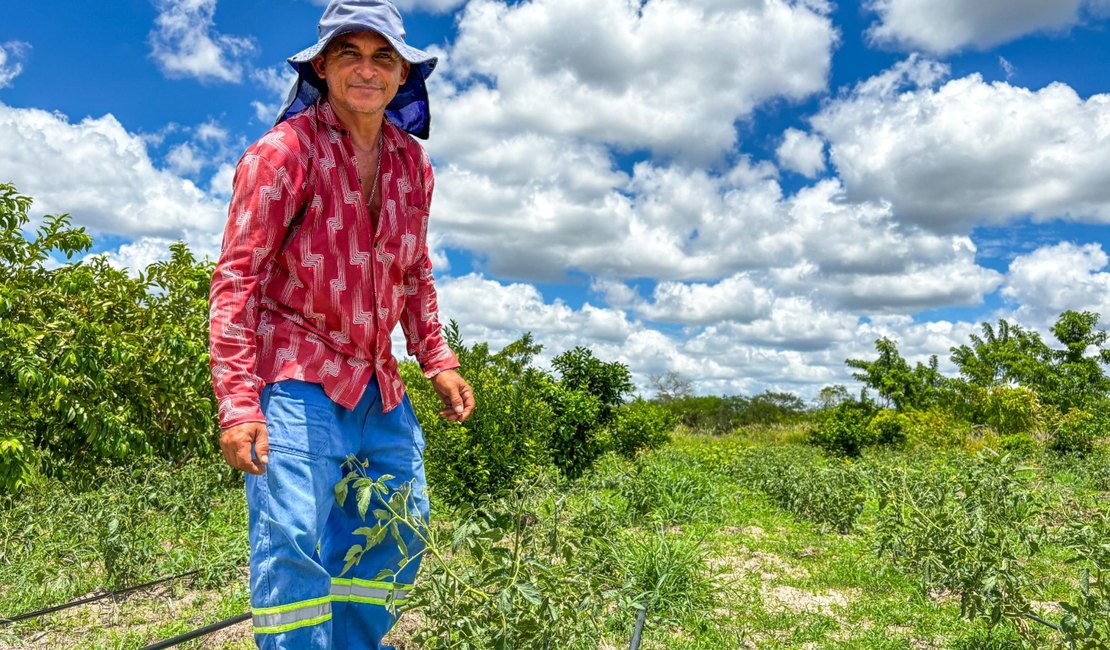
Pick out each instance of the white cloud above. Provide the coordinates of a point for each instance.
(184, 42)
(220, 183)
(184, 160)
(628, 74)
(276, 80)
(802, 152)
(739, 298)
(970, 152)
(102, 175)
(1051, 279)
(12, 55)
(944, 26)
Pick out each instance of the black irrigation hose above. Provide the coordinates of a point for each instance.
(200, 631)
(640, 618)
(1034, 617)
(90, 599)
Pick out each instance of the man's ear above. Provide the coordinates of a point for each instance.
(318, 65)
(404, 72)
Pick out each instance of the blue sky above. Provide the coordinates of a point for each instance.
(744, 191)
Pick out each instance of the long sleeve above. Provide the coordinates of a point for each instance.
(263, 204)
(420, 321)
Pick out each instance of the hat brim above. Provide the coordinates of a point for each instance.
(414, 56)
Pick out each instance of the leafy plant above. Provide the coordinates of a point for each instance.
(846, 429)
(500, 577)
(640, 425)
(99, 365)
(967, 531)
(1076, 433)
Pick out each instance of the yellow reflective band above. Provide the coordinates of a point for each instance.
(282, 618)
(371, 592)
(292, 626)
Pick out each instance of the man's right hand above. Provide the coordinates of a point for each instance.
(236, 444)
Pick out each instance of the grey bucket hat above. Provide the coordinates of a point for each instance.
(409, 109)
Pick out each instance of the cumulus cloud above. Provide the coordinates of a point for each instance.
(629, 74)
(739, 298)
(1051, 279)
(276, 81)
(802, 152)
(12, 55)
(184, 42)
(968, 151)
(101, 174)
(945, 26)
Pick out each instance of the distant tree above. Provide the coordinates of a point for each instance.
(831, 396)
(1079, 379)
(670, 386)
(891, 376)
(1004, 356)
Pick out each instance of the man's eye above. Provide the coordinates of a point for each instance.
(348, 54)
(384, 57)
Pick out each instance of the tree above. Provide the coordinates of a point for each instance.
(670, 386)
(831, 396)
(893, 378)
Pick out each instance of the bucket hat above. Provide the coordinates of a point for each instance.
(409, 109)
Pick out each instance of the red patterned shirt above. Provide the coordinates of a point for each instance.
(302, 290)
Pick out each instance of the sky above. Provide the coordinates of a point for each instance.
(746, 192)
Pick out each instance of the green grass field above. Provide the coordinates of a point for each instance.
(733, 542)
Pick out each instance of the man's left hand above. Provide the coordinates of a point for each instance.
(458, 398)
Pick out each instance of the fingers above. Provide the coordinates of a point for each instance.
(459, 401)
(236, 443)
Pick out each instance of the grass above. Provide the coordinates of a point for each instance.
(685, 530)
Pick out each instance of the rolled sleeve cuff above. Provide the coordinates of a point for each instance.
(437, 363)
(240, 409)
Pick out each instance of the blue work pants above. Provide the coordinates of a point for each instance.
(299, 535)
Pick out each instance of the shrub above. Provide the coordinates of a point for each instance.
(640, 425)
(98, 365)
(935, 428)
(508, 436)
(1011, 409)
(888, 427)
(845, 429)
(1021, 445)
(584, 400)
(1075, 433)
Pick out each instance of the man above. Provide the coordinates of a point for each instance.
(324, 253)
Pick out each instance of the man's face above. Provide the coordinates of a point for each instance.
(363, 72)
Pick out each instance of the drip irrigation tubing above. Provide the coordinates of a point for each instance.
(200, 631)
(1034, 617)
(90, 599)
(640, 618)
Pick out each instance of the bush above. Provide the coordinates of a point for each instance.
(888, 427)
(935, 428)
(1075, 433)
(98, 365)
(508, 436)
(585, 400)
(640, 425)
(1011, 409)
(1021, 445)
(845, 429)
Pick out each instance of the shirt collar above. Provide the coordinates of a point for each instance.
(393, 137)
